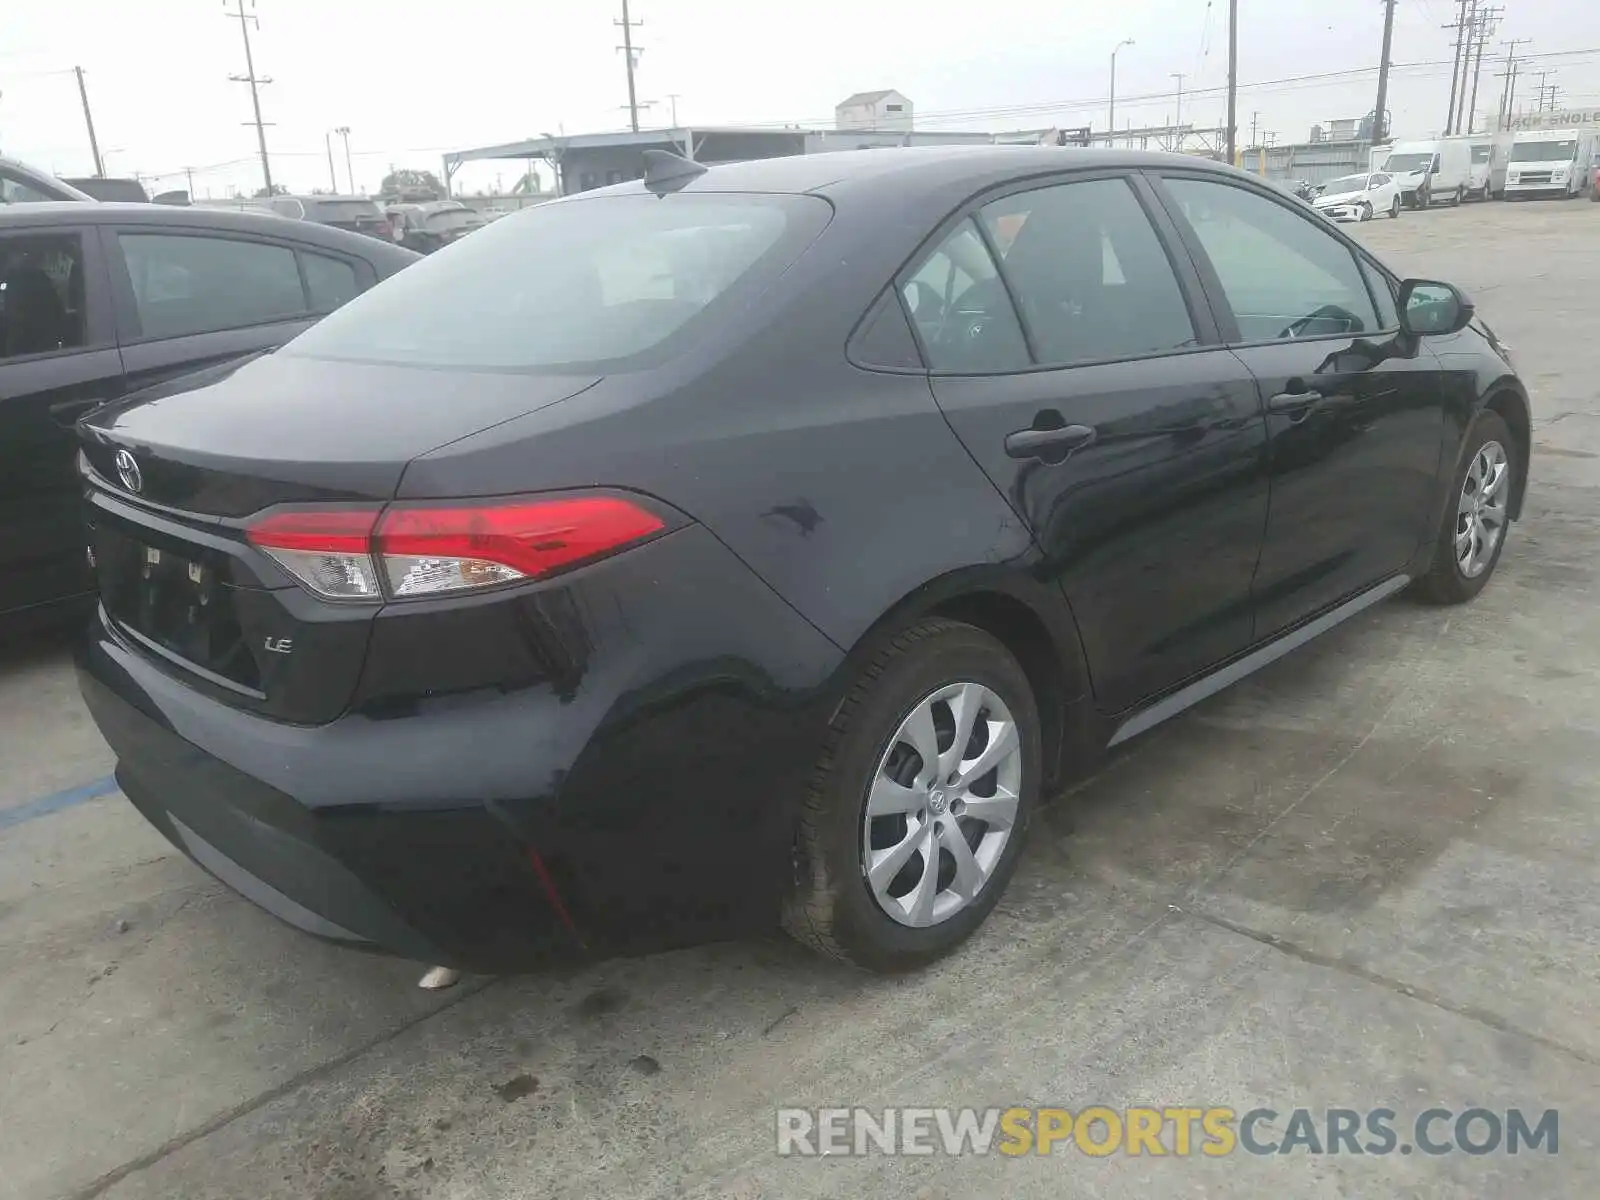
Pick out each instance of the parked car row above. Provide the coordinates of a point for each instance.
(98, 300)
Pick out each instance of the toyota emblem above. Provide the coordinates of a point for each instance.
(128, 471)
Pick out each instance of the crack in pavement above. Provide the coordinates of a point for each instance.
(277, 1092)
(1471, 1012)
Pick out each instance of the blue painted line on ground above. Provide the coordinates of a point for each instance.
(45, 805)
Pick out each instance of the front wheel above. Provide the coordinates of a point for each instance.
(1477, 518)
(1394, 209)
(1460, 195)
(1366, 212)
(914, 818)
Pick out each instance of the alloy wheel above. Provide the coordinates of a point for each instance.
(1481, 511)
(942, 804)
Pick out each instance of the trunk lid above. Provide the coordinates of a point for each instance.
(167, 533)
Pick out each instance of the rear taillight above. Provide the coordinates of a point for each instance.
(430, 549)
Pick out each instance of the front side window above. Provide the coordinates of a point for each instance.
(41, 294)
(193, 284)
(608, 283)
(960, 308)
(1282, 274)
(1089, 272)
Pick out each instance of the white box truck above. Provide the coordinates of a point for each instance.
(1435, 171)
(1550, 162)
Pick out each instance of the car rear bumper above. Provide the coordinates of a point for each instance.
(643, 794)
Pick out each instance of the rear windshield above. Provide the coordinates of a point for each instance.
(604, 283)
(345, 210)
(452, 218)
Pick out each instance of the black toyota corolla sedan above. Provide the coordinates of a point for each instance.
(762, 543)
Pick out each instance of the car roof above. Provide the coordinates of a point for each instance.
(71, 212)
(927, 166)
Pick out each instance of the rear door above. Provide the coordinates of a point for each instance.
(1073, 355)
(58, 360)
(189, 298)
(1355, 411)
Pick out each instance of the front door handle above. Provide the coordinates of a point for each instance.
(1295, 397)
(1049, 443)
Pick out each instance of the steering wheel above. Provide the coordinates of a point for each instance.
(1327, 312)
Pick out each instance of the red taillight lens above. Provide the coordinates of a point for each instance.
(428, 549)
(421, 550)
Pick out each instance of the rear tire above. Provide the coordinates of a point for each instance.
(1447, 581)
(834, 907)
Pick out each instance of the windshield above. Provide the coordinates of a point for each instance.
(1482, 154)
(1347, 183)
(1404, 164)
(601, 284)
(1525, 152)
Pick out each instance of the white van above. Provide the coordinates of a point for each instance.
(1433, 171)
(1490, 154)
(1550, 162)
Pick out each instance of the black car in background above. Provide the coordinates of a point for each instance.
(120, 191)
(99, 300)
(764, 542)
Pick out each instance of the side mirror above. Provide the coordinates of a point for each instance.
(1428, 307)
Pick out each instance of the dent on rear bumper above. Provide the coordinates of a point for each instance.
(654, 769)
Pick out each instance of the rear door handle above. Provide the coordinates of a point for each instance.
(1049, 443)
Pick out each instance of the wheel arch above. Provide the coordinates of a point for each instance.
(1511, 404)
(1033, 620)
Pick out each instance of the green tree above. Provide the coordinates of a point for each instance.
(412, 183)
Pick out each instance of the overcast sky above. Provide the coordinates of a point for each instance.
(415, 78)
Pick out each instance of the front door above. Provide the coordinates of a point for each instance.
(1079, 375)
(1355, 410)
(58, 360)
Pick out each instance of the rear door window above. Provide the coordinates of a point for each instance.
(1089, 272)
(961, 310)
(42, 306)
(190, 283)
(610, 283)
(330, 282)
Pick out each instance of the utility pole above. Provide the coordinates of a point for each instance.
(1233, 78)
(1469, 34)
(327, 144)
(1383, 72)
(1460, 26)
(1177, 113)
(1488, 22)
(629, 53)
(672, 99)
(349, 172)
(254, 81)
(1255, 122)
(188, 177)
(88, 119)
(1509, 94)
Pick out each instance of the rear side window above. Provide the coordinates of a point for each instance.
(606, 284)
(1089, 272)
(330, 282)
(961, 310)
(192, 284)
(41, 294)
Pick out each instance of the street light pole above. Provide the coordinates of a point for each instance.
(1177, 113)
(1113, 115)
(333, 179)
